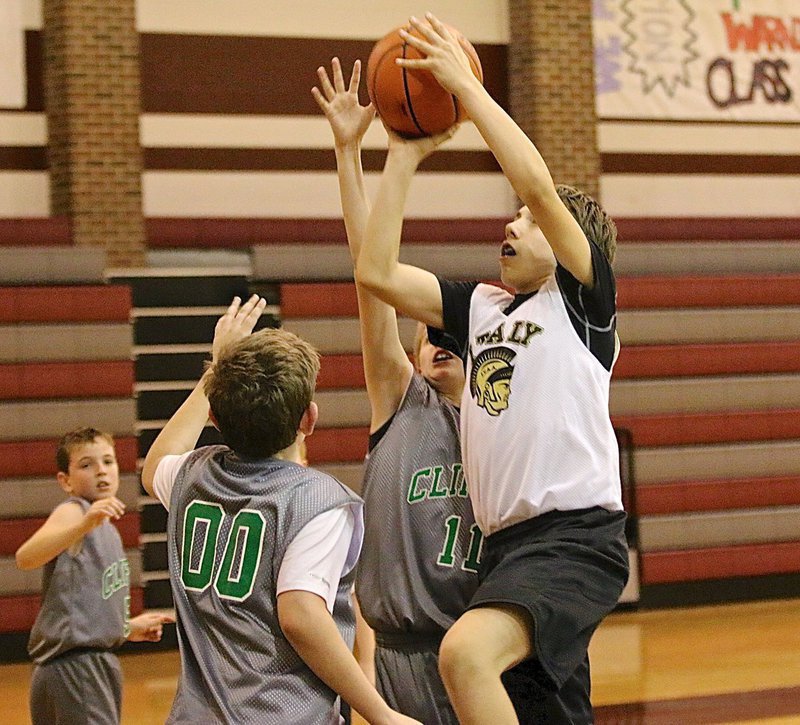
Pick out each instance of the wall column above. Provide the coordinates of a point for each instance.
(551, 87)
(91, 50)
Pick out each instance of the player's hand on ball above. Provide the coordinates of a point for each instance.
(444, 54)
(417, 149)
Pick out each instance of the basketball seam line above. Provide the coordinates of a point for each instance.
(408, 97)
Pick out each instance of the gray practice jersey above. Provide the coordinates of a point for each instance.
(230, 522)
(85, 598)
(418, 568)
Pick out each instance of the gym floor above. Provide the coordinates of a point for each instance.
(722, 664)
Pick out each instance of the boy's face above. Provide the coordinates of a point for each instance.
(93, 471)
(440, 367)
(526, 259)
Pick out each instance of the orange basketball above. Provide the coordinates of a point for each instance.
(410, 101)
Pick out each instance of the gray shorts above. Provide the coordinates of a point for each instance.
(407, 676)
(81, 687)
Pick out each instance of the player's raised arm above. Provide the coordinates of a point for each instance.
(410, 290)
(387, 368)
(183, 429)
(519, 158)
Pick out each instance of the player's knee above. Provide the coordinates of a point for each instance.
(459, 658)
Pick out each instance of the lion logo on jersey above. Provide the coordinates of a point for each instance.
(490, 378)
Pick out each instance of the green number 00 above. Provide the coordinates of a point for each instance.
(237, 572)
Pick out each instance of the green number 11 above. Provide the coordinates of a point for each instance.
(446, 558)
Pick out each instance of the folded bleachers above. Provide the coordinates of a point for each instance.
(708, 383)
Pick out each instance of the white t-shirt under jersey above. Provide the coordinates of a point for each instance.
(315, 560)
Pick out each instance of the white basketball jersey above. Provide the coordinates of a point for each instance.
(535, 425)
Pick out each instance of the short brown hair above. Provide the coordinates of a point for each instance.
(259, 389)
(597, 225)
(70, 441)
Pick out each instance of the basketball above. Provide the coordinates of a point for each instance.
(410, 101)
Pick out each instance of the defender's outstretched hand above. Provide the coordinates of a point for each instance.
(348, 118)
(444, 56)
(237, 323)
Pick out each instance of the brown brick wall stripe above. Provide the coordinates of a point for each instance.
(13, 532)
(665, 361)
(732, 291)
(677, 429)
(19, 459)
(52, 231)
(717, 495)
(258, 75)
(233, 232)
(92, 303)
(34, 73)
(663, 567)
(711, 164)
(712, 229)
(192, 73)
(18, 613)
(23, 158)
(237, 232)
(249, 159)
(27, 381)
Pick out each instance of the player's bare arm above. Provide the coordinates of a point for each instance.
(183, 429)
(519, 158)
(148, 626)
(410, 290)
(65, 528)
(387, 369)
(310, 629)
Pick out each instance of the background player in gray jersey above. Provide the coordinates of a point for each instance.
(84, 614)
(261, 548)
(421, 548)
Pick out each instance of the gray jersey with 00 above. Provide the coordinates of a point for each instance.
(230, 523)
